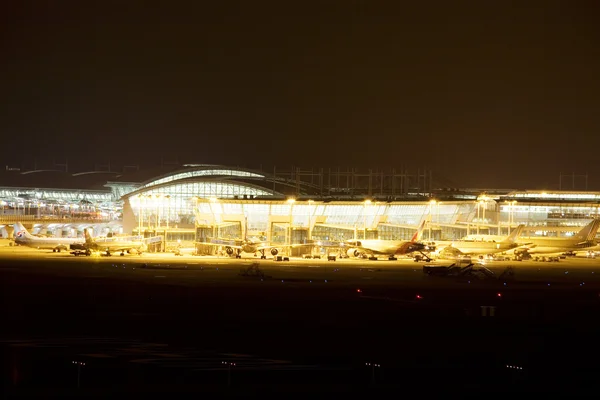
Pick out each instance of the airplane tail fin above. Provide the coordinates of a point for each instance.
(20, 231)
(88, 237)
(419, 232)
(514, 234)
(589, 231)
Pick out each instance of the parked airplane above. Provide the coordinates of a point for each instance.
(252, 245)
(458, 249)
(24, 238)
(248, 245)
(391, 248)
(108, 245)
(583, 240)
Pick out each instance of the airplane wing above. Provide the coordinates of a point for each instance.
(450, 250)
(522, 245)
(233, 246)
(585, 242)
(280, 246)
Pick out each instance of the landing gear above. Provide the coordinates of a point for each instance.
(77, 253)
(122, 254)
(392, 258)
(262, 254)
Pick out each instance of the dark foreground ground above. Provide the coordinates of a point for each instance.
(150, 333)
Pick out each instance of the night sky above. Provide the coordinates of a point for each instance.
(485, 93)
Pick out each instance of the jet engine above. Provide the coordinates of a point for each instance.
(274, 251)
(353, 253)
(229, 250)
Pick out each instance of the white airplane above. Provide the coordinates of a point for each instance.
(109, 245)
(24, 238)
(248, 245)
(459, 249)
(391, 248)
(583, 240)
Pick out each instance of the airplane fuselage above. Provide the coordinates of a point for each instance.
(249, 248)
(555, 245)
(47, 243)
(119, 246)
(478, 247)
(383, 247)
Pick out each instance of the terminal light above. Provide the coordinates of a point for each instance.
(291, 200)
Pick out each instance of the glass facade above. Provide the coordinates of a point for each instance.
(206, 205)
(175, 204)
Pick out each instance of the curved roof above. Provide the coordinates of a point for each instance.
(214, 180)
(243, 176)
(55, 179)
(203, 171)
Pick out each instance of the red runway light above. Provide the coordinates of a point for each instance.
(419, 296)
(499, 295)
(358, 291)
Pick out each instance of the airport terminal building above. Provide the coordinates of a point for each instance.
(198, 202)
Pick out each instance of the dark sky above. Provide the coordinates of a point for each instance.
(485, 93)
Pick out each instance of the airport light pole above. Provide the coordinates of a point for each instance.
(478, 221)
(291, 202)
(139, 200)
(158, 199)
(437, 209)
(229, 365)
(310, 202)
(483, 206)
(431, 204)
(365, 204)
(195, 212)
(512, 214)
(373, 366)
(509, 217)
(144, 206)
(214, 200)
(79, 365)
(168, 197)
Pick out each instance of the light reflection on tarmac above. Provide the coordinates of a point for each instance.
(156, 354)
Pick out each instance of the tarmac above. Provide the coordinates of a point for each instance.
(188, 270)
(156, 323)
